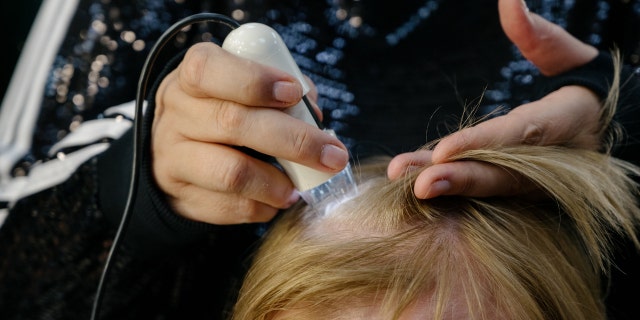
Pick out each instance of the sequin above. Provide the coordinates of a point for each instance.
(98, 64)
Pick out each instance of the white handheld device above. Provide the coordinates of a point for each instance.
(261, 43)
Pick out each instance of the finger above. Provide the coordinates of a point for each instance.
(406, 162)
(210, 71)
(510, 129)
(469, 178)
(220, 208)
(266, 130)
(222, 169)
(568, 116)
(552, 49)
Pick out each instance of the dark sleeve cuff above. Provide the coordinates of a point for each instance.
(597, 75)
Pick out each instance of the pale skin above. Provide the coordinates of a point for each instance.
(214, 101)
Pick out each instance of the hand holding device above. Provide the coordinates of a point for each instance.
(262, 44)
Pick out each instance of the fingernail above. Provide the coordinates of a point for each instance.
(438, 188)
(286, 91)
(333, 157)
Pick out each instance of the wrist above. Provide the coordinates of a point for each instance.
(596, 75)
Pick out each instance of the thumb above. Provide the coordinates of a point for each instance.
(551, 48)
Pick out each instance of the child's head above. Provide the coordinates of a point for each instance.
(387, 255)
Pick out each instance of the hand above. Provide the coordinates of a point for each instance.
(568, 116)
(213, 103)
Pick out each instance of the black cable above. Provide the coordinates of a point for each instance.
(137, 130)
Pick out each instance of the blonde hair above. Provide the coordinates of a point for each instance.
(496, 258)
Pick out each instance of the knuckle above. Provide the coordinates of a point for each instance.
(300, 141)
(473, 172)
(193, 66)
(465, 138)
(532, 134)
(164, 169)
(532, 131)
(466, 186)
(229, 117)
(224, 209)
(249, 212)
(182, 194)
(253, 78)
(236, 175)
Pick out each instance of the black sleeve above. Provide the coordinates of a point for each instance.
(153, 227)
(597, 75)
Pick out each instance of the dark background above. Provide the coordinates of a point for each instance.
(15, 20)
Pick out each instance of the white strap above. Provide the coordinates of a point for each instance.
(21, 103)
(92, 131)
(47, 174)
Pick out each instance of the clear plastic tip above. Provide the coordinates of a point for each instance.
(331, 193)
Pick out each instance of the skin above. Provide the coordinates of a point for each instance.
(215, 101)
(569, 115)
(194, 161)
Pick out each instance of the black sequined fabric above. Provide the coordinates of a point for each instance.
(387, 81)
(52, 244)
(437, 61)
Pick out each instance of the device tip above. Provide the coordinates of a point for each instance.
(331, 193)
